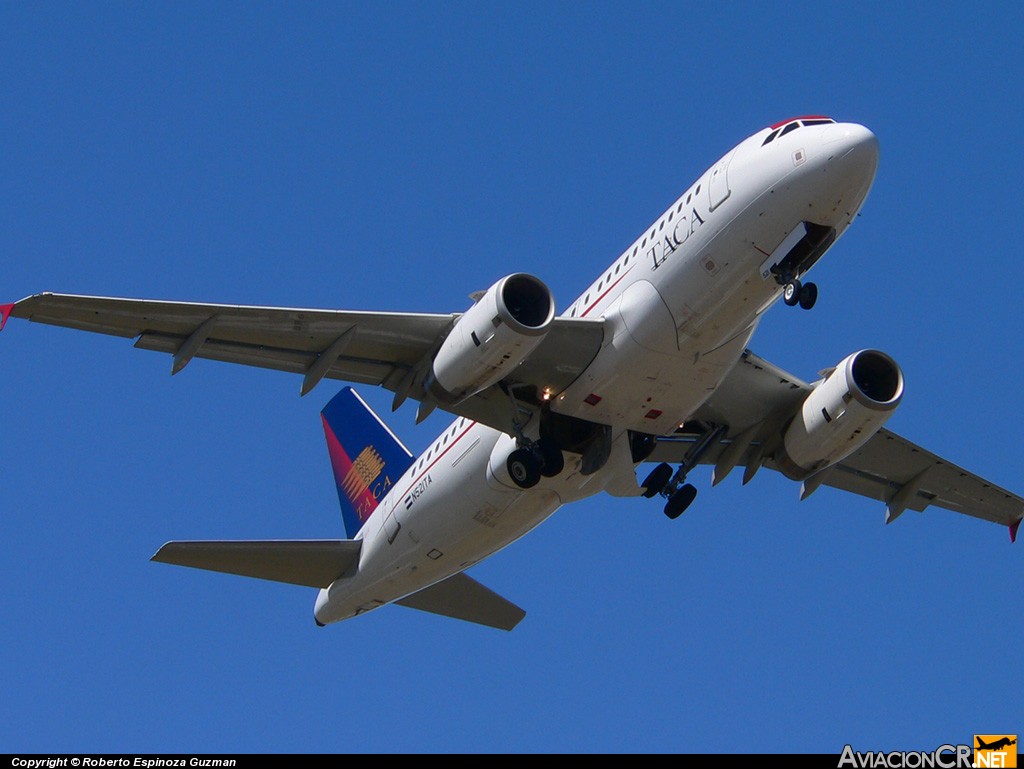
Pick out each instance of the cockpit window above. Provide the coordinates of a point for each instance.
(794, 123)
(801, 117)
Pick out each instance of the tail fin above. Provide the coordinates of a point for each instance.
(366, 457)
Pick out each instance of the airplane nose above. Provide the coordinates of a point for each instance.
(853, 145)
(850, 152)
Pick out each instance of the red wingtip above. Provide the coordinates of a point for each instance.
(5, 313)
(1013, 529)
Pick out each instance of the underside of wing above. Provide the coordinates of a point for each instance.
(905, 476)
(750, 412)
(288, 339)
(391, 350)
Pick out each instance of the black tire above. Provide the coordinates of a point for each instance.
(679, 501)
(656, 480)
(791, 293)
(808, 295)
(524, 468)
(552, 462)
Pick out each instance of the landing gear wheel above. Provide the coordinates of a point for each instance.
(551, 460)
(655, 482)
(524, 467)
(681, 500)
(791, 293)
(808, 296)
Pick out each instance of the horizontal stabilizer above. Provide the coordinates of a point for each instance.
(462, 597)
(309, 562)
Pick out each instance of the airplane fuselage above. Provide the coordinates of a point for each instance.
(680, 304)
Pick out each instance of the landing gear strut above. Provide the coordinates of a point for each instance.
(662, 482)
(532, 460)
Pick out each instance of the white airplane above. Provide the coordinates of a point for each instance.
(649, 364)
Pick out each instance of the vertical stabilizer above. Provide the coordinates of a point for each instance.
(366, 457)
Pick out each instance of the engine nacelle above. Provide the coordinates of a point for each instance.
(492, 338)
(841, 413)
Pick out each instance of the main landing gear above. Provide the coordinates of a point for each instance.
(529, 464)
(662, 482)
(795, 293)
(532, 460)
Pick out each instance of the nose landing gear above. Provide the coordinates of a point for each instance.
(795, 293)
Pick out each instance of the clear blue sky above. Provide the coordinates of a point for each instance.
(398, 156)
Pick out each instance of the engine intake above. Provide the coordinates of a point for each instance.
(493, 337)
(842, 412)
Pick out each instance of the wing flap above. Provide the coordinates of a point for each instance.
(346, 368)
(307, 562)
(462, 597)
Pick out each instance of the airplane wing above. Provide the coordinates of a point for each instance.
(757, 399)
(393, 350)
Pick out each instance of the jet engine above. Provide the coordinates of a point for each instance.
(493, 337)
(842, 412)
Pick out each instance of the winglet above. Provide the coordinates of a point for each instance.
(1013, 529)
(5, 313)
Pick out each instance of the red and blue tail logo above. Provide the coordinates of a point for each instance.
(366, 457)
